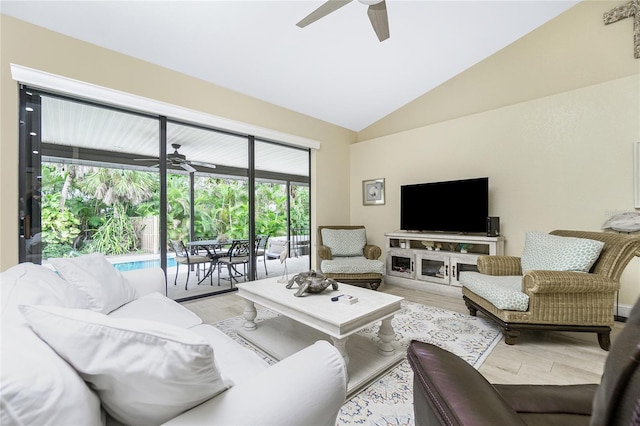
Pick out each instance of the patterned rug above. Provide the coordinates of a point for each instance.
(389, 399)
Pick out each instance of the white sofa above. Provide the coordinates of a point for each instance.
(70, 358)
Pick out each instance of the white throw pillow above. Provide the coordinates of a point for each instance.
(37, 387)
(145, 372)
(29, 284)
(103, 285)
(555, 253)
(345, 242)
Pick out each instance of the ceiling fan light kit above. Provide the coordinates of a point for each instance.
(377, 12)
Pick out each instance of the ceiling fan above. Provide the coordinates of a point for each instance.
(179, 160)
(377, 13)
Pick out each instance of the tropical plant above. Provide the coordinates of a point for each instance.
(117, 235)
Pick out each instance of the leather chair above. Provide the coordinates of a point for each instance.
(449, 391)
(360, 266)
(558, 300)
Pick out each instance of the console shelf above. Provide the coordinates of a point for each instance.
(416, 257)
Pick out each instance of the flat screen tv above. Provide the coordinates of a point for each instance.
(459, 206)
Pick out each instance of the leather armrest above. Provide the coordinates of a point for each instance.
(324, 253)
(447, 390)
(565, 399)
(371, 251)
(499, 265)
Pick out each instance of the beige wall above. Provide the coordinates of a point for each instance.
(24, 44)
(555, 136)
(571, 51)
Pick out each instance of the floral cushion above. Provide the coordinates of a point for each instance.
(344, 242)
(352, 265)
(504, 292)
(554, 253)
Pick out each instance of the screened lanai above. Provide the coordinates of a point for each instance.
(100, 178)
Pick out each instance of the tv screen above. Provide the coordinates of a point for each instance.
(460, 206)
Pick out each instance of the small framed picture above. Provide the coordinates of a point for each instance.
(373, 192)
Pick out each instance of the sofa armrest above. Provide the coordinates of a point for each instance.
(566, 282)
(307, 388)
(447, 390)
(566, 399)
(499, 265)
(324, 253)
(372, 251)
(147, 280)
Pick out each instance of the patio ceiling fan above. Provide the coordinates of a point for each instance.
(179, 160)
(377, 13)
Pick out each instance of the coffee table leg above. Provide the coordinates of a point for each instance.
(249, 314)
(386, 336)
(341, 344)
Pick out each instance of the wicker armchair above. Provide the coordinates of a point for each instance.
(560, 300)
(366, 271)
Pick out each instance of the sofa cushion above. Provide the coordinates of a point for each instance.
(504, 292)
(344, 242)
(37, 387)
(156, 307)
(29, 284)
(554, 253)
(352, 265)
(145, 372)
(103, 285)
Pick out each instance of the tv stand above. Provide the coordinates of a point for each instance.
(420, 259)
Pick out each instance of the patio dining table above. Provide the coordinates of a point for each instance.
(214, 250)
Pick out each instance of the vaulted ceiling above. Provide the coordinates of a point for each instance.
(335, 69)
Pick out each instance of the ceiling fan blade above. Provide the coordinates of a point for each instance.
(322, 11)
(203, 164)
(379, 19)
(187, 167)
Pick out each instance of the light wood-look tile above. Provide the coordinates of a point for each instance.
(536, 358)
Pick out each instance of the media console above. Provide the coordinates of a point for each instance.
(416, 259)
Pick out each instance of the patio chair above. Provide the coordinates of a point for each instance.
(237, 255)
(261, 251)
(184, 257)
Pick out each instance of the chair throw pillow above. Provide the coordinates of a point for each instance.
(144, 372)
(344, 242)
(554, 253)
(103, 285)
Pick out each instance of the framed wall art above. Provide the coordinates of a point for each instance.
(373, 192)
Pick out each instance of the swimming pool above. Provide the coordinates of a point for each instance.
(143, 264)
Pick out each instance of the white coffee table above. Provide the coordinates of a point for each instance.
(304, 320)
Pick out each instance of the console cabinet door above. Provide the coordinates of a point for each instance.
(459, 264)
(433, 266)
(401, 263)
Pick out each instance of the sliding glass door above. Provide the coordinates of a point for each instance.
(97, 178)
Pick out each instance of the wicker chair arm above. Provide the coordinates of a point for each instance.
(566, 282)
(372, 252)
(499, 265)
(324, 253)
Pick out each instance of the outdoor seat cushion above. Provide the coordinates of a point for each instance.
(352, 265)
(503, 292)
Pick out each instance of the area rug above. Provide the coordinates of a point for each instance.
(389, 399)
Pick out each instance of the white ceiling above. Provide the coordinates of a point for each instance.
(335, 69)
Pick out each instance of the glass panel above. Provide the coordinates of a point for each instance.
(95, 196)
(207, 208)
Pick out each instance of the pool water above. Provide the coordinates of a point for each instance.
(143, 264)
